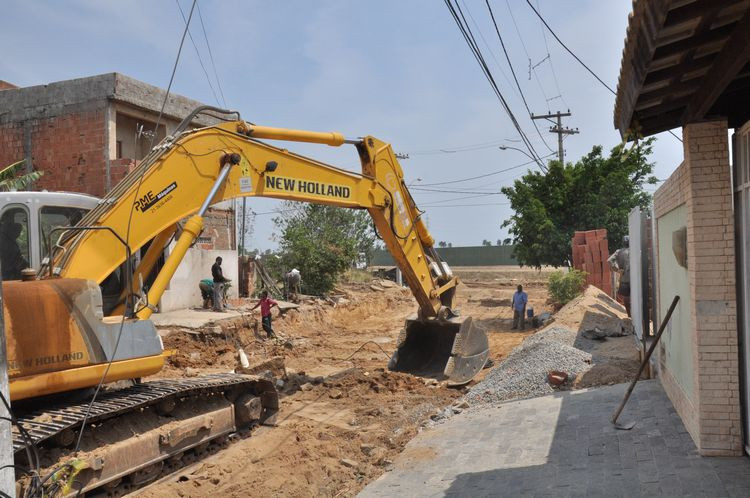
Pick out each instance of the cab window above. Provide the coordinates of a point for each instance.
(14, 242)
(51, 217)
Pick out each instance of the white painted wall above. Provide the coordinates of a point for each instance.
(183, 289)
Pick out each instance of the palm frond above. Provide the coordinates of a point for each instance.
(11, 180)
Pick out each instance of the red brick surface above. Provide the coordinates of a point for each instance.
(69, 149)
(590, 253)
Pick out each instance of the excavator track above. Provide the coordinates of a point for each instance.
(202, 410)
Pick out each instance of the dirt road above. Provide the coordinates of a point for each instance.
(342, 430)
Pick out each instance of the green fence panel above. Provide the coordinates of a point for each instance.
(461, 256)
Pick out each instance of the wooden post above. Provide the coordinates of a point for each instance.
(662, 327)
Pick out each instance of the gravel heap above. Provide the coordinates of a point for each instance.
(523, 374)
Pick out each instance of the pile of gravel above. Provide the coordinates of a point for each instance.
(523, 374)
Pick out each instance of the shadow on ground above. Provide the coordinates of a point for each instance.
(565, 445)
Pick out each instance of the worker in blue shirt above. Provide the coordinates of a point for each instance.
(518, 304)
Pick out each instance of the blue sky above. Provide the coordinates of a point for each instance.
(398, 70)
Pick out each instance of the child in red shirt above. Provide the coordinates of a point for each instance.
(266, 304)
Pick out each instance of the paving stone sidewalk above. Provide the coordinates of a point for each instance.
(563, 445)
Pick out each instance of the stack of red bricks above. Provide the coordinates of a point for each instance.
(590, 254)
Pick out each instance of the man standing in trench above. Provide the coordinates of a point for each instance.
(518, 304)
(219, 281)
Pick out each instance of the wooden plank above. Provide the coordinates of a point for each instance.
(698, 40)
(696, 9)
(726, 65)
(643, 28)
(677, 70)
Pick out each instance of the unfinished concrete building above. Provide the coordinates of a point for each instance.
(686, 64)
(86, 134)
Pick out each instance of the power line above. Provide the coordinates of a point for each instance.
(447, 191)
(465, 30)
(579, 60)
(461, 198)
(525, 50)
(569, 50)
(197, 52)
(211, 56)
(460, 148)
(466, 205)
(492, 53)
(484, 175)
(549, 57)
(127, 234)
(513, 72)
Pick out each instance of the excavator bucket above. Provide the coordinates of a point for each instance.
(454, 350)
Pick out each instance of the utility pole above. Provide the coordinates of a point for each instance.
(559, 130)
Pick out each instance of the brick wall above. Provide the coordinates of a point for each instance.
(218, 230)
(703, 184)
(11, 143)
(69, 149)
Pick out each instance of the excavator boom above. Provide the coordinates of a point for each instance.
(193, 169)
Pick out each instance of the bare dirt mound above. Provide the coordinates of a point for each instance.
(343, 416)
(332, 439)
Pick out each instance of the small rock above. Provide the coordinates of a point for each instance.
(367, 449)
(461, 404)
(556, 378)
(279, 383)
(349, 463)
(456, 410)
(288, 345)
(191, 372)
(306, 386)
(195, 356)
(595, 334)
(430, 382)
(216, 330)
(335, 394)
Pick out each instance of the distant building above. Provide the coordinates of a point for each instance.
(86, 134)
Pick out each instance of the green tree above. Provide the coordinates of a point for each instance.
(322, 242)
(12, 178)
(594, 192)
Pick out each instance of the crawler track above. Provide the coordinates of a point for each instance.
(219, 394)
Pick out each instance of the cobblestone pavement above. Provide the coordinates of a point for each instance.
(563, 445)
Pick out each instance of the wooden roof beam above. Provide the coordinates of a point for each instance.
(726, 65)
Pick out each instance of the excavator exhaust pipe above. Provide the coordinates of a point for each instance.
(455, 349)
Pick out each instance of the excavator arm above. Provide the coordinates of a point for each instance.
(195, 168)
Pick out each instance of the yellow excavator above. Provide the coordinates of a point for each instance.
(63, 338)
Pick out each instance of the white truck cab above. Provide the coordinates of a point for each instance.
(26, 219)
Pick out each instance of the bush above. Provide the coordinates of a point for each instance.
(565, 286)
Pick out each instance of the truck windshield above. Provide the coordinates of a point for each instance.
(51, 217)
